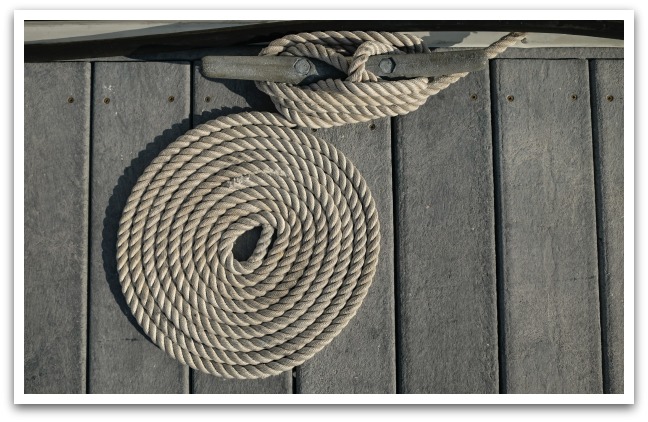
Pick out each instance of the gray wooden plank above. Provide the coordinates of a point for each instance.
(553, 53)
(213, 98)
(128, 132)
(57, 121)
(361, 359)
(551, 327)
(607, 112)
(446, 279)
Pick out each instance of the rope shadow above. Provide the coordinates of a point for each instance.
(255, 99)
(116, 204)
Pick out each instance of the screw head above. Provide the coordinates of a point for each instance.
(171, 98)
(574, 97)
(70, 100)
(106, 100)
(610, 98)
(302, 66)
(207, 99)
(510, 98)
(387, 65)
(473, 97)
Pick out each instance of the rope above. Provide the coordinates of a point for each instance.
(362, 96)
(263, 316)
(319, 243)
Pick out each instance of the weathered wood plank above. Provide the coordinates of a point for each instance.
(213, 98)
(548, 53)
(57, 122)
(447, 285)
(361, 359)
(607, 112)
(551, 327)
(128, 132)
(553, 53)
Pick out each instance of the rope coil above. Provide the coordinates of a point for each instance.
(263, 316)
(362, 96)
(320, 236)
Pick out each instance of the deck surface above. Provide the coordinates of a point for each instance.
(501, 210)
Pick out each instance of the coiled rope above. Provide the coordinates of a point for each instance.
(362, 96)
(293, 295)
(320, 237)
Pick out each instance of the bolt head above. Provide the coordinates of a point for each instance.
(387, 65)
(302, 66)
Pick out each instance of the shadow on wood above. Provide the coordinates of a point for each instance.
(256, 100)
(116, 204)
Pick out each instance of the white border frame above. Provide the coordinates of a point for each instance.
(626, 15)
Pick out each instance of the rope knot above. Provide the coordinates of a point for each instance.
(357, 69)
(362, 96)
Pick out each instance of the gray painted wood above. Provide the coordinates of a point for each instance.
(446, 256)
(56, 226)
(128, 132)
(553, 53)
(361, 359)
(213, 98)
(607, 112)
(551, 335)
(563, 53)
(551, 326)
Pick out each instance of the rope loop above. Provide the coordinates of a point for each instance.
(362, 96)
(357, 71)
(307, 276)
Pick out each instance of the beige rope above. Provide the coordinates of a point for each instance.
(362, 97)
(270, 313)
(320, 235)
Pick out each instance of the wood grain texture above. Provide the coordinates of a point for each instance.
(128, 131)
(361, 359)
(607, 112)
(551, 326)
(57, 121)
(548, 53)
(446, 242)
(213, 98)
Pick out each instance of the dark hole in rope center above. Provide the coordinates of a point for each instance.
(244, 245)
